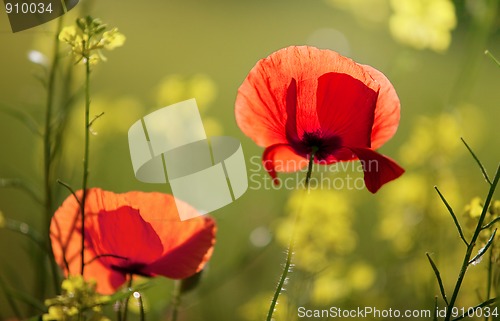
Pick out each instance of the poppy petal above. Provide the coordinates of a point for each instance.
(345, 109)
(291, 109)
(387, 111)
(123, 234)
(65, 235)
(282, 158)
(378, 169)
(187, 245)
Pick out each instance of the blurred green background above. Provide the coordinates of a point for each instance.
(354, 249)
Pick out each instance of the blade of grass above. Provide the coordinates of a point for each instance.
(483, 170)
(455, 220)
(438, 277)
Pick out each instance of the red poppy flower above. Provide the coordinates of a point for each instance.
(131, 233)
(303, 99)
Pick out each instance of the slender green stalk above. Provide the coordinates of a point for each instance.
(141, 309)
(291, 246)
(488, 280)
(176, 300)
(487, 52)
(85, 161)
(483, 170)
(127, 299)
(47, 160)
(470, 248)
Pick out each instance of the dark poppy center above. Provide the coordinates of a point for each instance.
(134, 268)
(324, 146)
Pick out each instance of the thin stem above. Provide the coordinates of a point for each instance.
(455, 220)
(483, 170)
(125, 305)
(85, 161)
(291, 245)
(438, 277)
(491, 223)
(176, 300)
(71, 190)
(141, 308)
(472, 243)
(47, 157)
(487, 52)
(488, 284)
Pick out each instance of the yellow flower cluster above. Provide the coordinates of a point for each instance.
(423, 24)
(79, 301)
(324, 229)
(89, 37)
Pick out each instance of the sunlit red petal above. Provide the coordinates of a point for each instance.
(345, 109)
(123, 233)
(387, 110)
(281, 158)
(187, 245)
(378, 169)
(66, 238)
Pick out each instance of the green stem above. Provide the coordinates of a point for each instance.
(176, 300)
(488, 284)
(125, 305)
(85, 161)
(472, 243)
(141, 309)
(47, 158)
(291, 246)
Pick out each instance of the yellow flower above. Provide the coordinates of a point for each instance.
(322, 212)
(423, 23)
(88, 37)
(474, 208)
(78, 300)
(113, 39)
(68, 34)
